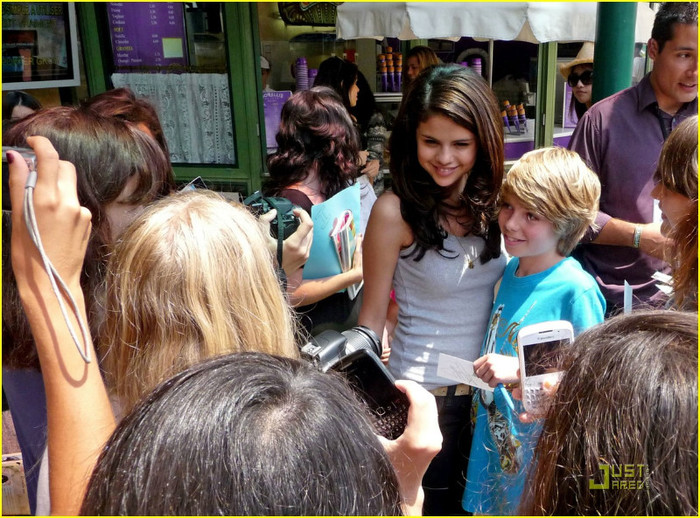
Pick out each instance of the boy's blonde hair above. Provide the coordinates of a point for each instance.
(556, 183)
(191, 278)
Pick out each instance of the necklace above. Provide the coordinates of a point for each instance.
(469, 257)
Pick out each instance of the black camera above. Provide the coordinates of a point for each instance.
(330, 347)
(355, 354)
(285, 224)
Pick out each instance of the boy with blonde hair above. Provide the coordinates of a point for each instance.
(548, 200)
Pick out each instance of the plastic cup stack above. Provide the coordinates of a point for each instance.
(476, 65)
(302, 71)
(313, 72)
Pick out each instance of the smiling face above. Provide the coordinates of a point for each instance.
(582, 92)
(447, 152)
(675, 74)
(674, 207)
(528, 235)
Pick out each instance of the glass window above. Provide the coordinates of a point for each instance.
(174, 54)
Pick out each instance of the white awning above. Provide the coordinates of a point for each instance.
(534, 22)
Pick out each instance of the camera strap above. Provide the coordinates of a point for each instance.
(54, 277)
(280, 238)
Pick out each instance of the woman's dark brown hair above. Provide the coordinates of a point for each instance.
(107, 153)
(466, 99)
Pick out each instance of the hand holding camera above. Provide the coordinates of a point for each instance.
(64, 226)
(290, 229)
(296, 248)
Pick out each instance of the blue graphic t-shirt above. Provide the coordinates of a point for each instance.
(502, 446)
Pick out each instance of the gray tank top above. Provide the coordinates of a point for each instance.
(444, 303)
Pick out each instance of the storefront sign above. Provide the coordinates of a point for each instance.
(39, 45)
(147, 34)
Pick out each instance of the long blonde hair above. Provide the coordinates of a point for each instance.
(191, 278)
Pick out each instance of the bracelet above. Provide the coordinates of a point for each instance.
(637, 236)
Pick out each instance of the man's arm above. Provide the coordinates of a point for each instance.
(617, 232)
(587, 141)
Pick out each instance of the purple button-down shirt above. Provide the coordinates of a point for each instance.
(620, 138)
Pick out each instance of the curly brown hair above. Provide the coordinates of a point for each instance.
(316, 133)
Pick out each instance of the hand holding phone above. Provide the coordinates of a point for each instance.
(540, 352)
(369, 378)
(412, 452)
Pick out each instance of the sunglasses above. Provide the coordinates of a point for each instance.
(586, 78)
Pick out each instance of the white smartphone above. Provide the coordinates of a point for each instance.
(540, 351)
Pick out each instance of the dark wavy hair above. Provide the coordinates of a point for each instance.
(463, 97)
(629, 397)
(338, 74)
(678, 172)
(107, 153)
(315, 133)
(245, 434)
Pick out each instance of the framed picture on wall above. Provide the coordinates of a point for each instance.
(39, 45)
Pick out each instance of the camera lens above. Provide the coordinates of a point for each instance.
(362, 337)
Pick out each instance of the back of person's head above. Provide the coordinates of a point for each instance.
(629, 398)
(108, 154)
(678, 172)
(245, 434)
(669, 14)
(556, 183)
(454, 92)
(16, 98)
(191, 278)
(122, 103)
(338, 74)
(315, 133)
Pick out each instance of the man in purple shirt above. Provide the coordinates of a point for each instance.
(620, 138)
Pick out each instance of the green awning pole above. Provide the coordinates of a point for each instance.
(614, 48)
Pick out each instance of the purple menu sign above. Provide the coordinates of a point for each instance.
(147, 34)
(273, 103)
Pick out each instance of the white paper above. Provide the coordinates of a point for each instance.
(459, 370)
(627, 299)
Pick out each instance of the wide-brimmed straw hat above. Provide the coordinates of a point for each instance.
(584, 56)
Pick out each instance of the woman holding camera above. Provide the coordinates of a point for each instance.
(255, 389)
(317, 157)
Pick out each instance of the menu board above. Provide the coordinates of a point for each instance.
(273, 103)
(148, 34)
(39, 45)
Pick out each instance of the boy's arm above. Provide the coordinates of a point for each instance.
(80, 418)
(497, 368)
